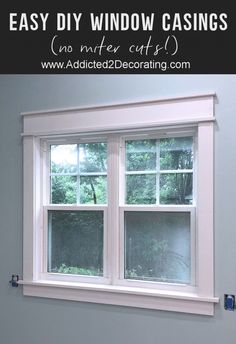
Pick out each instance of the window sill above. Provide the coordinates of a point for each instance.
(122, 296)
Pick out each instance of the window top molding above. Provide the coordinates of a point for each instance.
(191, 109)
(125, 104)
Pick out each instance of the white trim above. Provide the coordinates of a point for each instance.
(83, 174)
(116, 129)
(158, 167)
(115, 118)
(175, 171)
(184, 129)
(128, 173)
(111, 105)
(205, 209)
(113, 209)
(124, 296)
(74, 207)
(29, 212)
(106, 270)
(158, 207)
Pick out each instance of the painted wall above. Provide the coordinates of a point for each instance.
(27, 320)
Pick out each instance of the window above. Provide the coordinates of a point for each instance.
(78, 173)
(158, 230)
(75, 179)
(121, 212)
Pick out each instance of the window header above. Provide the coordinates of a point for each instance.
(133, 116)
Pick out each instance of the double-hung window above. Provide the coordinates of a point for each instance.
(158, 208)
(118, 205)
(76, 208)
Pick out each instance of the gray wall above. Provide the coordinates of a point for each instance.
(27, 320)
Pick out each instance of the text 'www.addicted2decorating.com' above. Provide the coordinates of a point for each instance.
(116, 65)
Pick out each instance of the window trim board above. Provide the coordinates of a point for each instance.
(176, 111)
(122, 296)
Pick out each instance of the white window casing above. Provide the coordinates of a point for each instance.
(171, 115)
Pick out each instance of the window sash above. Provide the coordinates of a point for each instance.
(44, 246)
(121, 280)
(128, 173)
(191, 132)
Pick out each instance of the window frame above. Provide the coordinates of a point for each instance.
(170, 114)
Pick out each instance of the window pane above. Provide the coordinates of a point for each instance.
(93, 157)
(176, 188)
(141, 189)
(75, 242)
(64, 158)
(176, 153)
(93, 189)
(140, 155)
(63, 190)
(157, 246)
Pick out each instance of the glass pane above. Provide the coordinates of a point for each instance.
(93, 190)
(63, 189)
(176, 188)
(64, 158)
(141, 189)
(93, 157)
(140, 155)
(75, 242)
(176, 153)
(157, 246)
